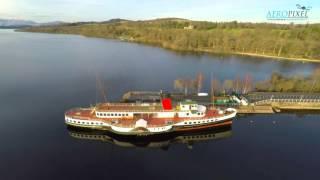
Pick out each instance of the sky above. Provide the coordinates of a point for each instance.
(100, 10)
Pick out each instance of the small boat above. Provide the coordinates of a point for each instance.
(149, 118)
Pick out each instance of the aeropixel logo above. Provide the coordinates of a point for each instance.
(301, 13)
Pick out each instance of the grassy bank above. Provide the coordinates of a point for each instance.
(294, 42)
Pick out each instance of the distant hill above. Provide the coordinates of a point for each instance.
(118, 20)
(12, 23)
(53, 23)
(15, 23)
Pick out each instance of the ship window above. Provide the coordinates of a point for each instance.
(108, 114)
(185, 122)
(127, 114)
(105, 114)
(198, 113)
(187, 114)
(189, 122)
(182, 106)
(111, 114)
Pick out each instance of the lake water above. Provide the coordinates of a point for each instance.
(42, 75)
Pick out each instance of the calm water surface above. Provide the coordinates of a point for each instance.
(43, 75)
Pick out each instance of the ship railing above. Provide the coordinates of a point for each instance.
(142, 110)
(80, 117)
(126, 104)
(133, 125)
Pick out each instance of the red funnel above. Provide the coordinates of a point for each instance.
(166, 104)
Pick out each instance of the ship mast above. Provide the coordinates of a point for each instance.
(212, 90)
(101, 88)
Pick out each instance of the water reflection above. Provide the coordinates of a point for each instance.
(153, 142)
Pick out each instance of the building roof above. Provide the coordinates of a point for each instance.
(188, 102)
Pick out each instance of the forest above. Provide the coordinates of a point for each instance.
(295, 41)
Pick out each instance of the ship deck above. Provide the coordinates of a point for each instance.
(89, 114)
(130, 107)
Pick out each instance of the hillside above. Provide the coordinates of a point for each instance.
(12, 23)
(262, 39)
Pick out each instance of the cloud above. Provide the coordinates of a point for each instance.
(7, 7)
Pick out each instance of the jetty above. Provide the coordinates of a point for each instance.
(251, 103)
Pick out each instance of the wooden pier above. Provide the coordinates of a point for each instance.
(255, 110)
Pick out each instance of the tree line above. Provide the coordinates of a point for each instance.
(243, 85)
(239, 85)
(280, 40)
(296, 83)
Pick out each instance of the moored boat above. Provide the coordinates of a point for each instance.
(149, 118)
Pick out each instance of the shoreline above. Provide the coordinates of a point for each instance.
(186, 50)
(217, 53)
(278, 57)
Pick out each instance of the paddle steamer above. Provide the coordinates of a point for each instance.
(149, 118)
